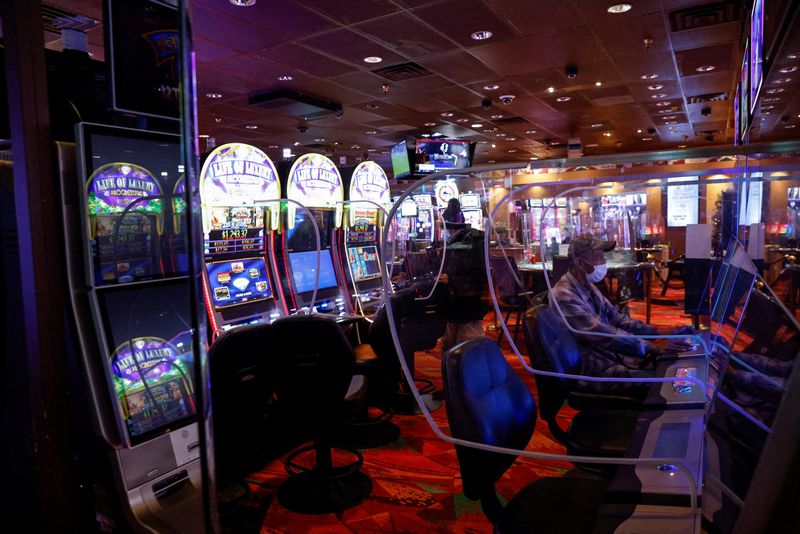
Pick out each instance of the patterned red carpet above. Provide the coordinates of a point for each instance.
(416, 479)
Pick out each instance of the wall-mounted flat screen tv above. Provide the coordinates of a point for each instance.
(401, 163)
(442, 154)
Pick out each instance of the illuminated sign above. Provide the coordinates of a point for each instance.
(315, 182)
(682, 201)
(237, 174)
(116, 188)
(144, 358)
(443, 191)
(368, 182)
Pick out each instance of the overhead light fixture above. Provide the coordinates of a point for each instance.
(534, 158)
(251, 126)
(591, 145)
(597, 125)
(512, 150)
(214, 96)
(319, 140)
(296, 143)
(370, 132)
(501, 134)
(530, 132)
(370, 150)
(671, 122)
(372, 106)
(658, 95)
(781, 81)
(373, 59)
(647, 138)
(563, 99)
(649, 76)
(355, 147)
(681, 146)
(771, 99)
(498, 116)
(511, 138)
(639, 130)
(790, 126)
(437, 134)
(462, 121)
(655, 87)
(218, 119)
(774, 90)
(607, 134)
(203, 136)
(551, 89)
(446, 114)
(243, 3)
(598, 83)
(705, 68)
(426, 135)
(494, 146)
(663, 103)
(476, 125)
(616, 9)
(481, 35)
(430, 124)
(787, 70)
(665, 111)
(491, 87)
(286, 78)
(273, 146)
(793, 55)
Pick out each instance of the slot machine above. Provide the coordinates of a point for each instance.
(369, 189)
(133, 320)
(240, 192)
(315, 183)
(471, 208)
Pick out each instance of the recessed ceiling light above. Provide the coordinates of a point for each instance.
(563, 99)
(511, 139)
(481, 35)
(671, 122)
(501, 134)
(426, 135)
(607, 134)
(491, 87)
(243, 3)
(437, 134)
(373, 59)
(494, 146)
(512, 150)
(766, 113)
(534, 158)
(551, 89)
(681, 146)
(781, 81)
(655, 87)
(771, 99)
(775, 90)
(665, 111)
(649, 76)
(370, 150)
(647, 138)
(705, 68)
(372, 106)
(662, 103)
(296, 143)
(794, 55)
(214, 96)
(498, 116)
(476, 125)
(639, 130)
(787, 70)
(765, 108)
(203, 136)
(319, 140)
(591, 145)
(597, 125)
(251, 126)
(370, 132)
(273, 146)
(430, 124)
(446, 114)
(616, 9)
(490, 161)
(355, 147)
(462, 121)
(218, 119)
(658, 95)
(790, 126)
(286, 78)
(530, 132)
(598, 83)
(488, 131)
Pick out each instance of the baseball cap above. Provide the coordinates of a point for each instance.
(586, 242)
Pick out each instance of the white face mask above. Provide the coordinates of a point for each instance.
(598, 274)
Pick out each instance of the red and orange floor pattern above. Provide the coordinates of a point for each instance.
(416, 480)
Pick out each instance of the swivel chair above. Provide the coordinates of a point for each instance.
(510, 293)
(605, 422)
(488, 403)
(312, 363)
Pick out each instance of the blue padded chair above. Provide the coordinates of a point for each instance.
(488, 403)
(605, 422)
(312, 364)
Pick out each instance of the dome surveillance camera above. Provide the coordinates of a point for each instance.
(651, 130)
(302, 129)
(705, 112)
(486, 103)
(507, 99)
(785, 119)
(571, 71)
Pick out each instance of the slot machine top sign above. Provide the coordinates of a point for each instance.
(368, 182)
(116, 188)
(237, 174)
(315, 182)
(443, 191)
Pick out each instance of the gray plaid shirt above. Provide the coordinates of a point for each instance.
(589, 311)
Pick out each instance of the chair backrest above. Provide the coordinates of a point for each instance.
(241, 390)
(418, 264)
(486, 402)
(560, 267)
(504, 269)
(552, 348)
(312, 363)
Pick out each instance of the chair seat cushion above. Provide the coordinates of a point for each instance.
(566, 505)
(601, 432)
(356, 394)
(364, 354)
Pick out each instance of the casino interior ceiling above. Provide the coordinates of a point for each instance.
(658, 76)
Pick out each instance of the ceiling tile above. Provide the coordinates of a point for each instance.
(535, 17)
(305, 59)
(407, 35)
(350, 46)
(458, 19)
(351, 11)
(460, 67)
(212, 25)
(281, 17)
(721, 57)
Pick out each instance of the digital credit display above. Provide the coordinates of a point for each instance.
(238, 281)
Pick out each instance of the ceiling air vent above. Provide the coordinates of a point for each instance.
(704, 15)
(711, 97)
(295, 104)
(403, 71)
(510, 120)
(55, 19)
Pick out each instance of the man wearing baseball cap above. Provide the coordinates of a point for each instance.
(588, 311)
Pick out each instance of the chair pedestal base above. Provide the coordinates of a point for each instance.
(313, 493)
(405, 404)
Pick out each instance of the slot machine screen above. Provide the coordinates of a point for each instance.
(128, 178)
(238, 281)
(304, 265)
(364, 262)
(149, 361)
(144, 57)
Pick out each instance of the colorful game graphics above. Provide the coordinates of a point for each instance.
(315, 182)
(238, 282)
(364, 264)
